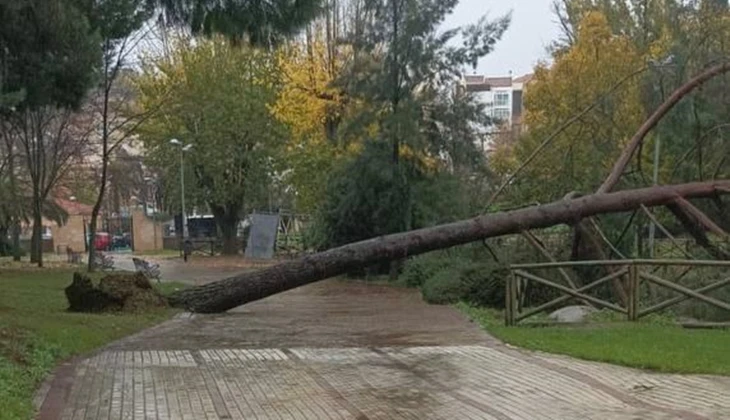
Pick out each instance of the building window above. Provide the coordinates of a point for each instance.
(501, 99)
(501, 114)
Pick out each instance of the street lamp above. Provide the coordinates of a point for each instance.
(183, 148)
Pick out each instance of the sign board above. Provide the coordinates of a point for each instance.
(262, 238)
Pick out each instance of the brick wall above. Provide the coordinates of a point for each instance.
(146, 233)
(71, 234)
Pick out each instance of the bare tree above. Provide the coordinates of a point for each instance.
(113, 118)
(49, 141)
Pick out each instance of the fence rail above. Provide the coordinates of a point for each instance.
(627, 274)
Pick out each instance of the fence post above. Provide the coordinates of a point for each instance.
(632, 306)
(510, 297)
(509, 285)
(507, 300)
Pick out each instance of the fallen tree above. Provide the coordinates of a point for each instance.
(226, 294)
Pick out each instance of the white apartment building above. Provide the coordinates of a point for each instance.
(503, 97)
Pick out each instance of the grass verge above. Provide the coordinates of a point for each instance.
(654, 344)
(36, 332)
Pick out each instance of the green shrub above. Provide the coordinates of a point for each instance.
(459, 279)
(422, 267)
(484, 284)
(444, 287)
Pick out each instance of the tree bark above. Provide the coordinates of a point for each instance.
(247, 287)
(36, 241)
(226, 218)
(16, 240)
(99, 198)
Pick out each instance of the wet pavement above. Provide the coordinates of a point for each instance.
(352, 350)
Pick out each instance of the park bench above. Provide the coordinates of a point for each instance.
(102, 261)
(151, 271)
(72, 257)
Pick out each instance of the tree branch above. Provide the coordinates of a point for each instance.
(654, 119)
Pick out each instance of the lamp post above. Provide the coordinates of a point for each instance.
(183, 148)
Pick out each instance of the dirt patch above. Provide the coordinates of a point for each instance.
(115, 293)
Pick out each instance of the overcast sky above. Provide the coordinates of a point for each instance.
(533, 28)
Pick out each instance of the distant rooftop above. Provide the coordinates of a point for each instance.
(481, 83)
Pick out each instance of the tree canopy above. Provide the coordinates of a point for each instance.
(261, 23)
(216, 97)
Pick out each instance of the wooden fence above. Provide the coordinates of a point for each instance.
(630, 273)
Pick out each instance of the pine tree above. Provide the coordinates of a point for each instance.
(404, 69)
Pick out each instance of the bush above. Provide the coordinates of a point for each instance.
(484, 284)
(367, 196)
(444, 287)
(458, 279)
(423, 267)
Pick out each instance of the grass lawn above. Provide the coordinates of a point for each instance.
(36, 332)
(654, 345)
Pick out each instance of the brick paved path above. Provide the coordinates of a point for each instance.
(345, 350)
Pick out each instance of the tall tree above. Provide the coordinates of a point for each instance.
(119, 23)
(313, 109)
(217, 98)
(402, 70)
(50, 53)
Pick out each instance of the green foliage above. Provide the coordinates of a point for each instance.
(420, 268)
(363, 199)
(580, 156)
(367, 197)
(403, 72)
(443, 287)
(50, 52)
(478, 283)
(260, 23)
(485, 283)
(216, 97)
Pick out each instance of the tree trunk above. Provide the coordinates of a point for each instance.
(97, 209)
(15, 232)
(237, 290)
(230, 242)
(5, 247)
(226, 218)
(36, 241)
(92, 238)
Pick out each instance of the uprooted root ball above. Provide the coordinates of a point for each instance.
(115, 293)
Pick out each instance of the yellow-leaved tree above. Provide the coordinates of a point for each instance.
(596, 68)
(312, 107)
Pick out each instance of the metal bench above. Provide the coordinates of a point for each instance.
(151, 271)
(103, 262)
